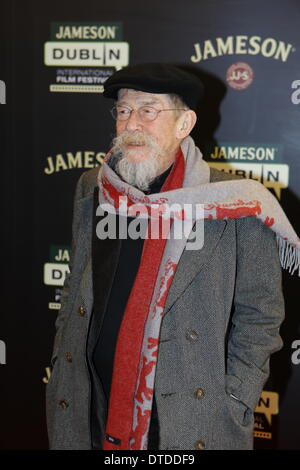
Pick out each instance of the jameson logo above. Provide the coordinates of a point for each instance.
(70, 160)
(55, 271)
(59, 254)
(248, 152)
(86, 44)
(242, 44)
(260, 162)
(86, 31)
(57, 268)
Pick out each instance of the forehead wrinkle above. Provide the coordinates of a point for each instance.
(143, 102)
(135, 96)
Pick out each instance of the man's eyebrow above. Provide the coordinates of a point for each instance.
(145, 101)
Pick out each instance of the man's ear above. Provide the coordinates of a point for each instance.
(185, 124)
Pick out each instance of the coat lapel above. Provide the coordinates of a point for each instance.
(193, 261)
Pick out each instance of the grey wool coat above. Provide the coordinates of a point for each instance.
(220, 325)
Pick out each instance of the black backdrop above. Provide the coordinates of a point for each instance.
(55, 124)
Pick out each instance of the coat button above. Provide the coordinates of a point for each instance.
(199, 393)
(82, 310)
(63, 404)
(200, 445)
(69, 357)
(192, 335)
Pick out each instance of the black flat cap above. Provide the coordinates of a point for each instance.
(156, 78)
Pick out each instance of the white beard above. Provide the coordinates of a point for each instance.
(138, 174)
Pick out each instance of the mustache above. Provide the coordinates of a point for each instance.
(133, 138)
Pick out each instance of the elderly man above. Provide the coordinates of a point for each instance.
(160, 345)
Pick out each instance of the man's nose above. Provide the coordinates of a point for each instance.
(134, 122)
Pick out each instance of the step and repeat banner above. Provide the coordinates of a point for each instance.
(55, 58)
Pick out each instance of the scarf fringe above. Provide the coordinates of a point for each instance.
(289, 255)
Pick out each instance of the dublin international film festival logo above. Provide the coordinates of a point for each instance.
(81, 56)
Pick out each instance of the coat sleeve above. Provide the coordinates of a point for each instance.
(65, 292)
(258, 311)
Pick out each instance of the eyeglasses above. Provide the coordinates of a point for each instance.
(145, 113)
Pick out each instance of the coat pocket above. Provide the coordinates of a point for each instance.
(240, 411)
